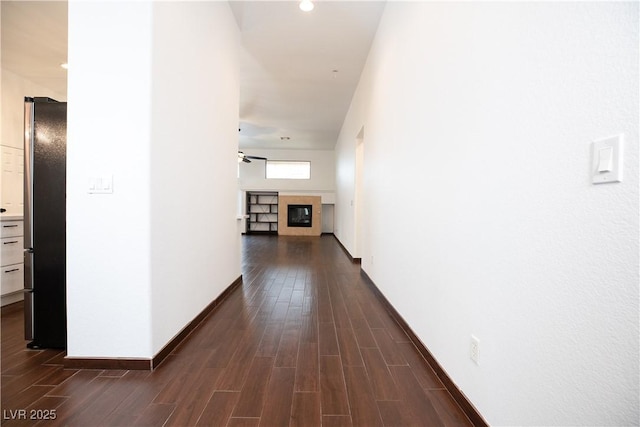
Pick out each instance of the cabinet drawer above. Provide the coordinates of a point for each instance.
(12, 250)
(11, 279)
(12, 228)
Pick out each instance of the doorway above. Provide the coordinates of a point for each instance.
(359, 211)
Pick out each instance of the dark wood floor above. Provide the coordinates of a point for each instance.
(303, 342)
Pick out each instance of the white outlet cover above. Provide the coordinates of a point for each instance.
(474, 350)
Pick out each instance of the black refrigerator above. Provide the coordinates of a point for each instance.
(45, 140)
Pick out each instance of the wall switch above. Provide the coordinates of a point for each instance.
(605, 159)
(606, 163)
(101, 184)
(474, 350)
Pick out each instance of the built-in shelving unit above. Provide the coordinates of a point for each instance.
(262, 209)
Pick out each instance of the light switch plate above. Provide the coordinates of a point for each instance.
(101, 184)
(610, 147)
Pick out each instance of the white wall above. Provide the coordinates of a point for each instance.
(14, 89)
(145, 260)
(195, 247)
(480, 213)
(109, 132)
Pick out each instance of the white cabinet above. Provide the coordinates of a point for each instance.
(12, 250)
(12, 178)
(11, 257)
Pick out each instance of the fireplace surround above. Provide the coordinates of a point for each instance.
(314, 225)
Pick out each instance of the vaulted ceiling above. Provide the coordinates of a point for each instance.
(298, 70)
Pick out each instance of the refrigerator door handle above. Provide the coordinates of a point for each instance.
(29, 135)
(28, 316)
(28, 269)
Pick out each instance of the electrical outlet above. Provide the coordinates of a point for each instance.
(474, 350)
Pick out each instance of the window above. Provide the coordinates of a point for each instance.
(285, 169)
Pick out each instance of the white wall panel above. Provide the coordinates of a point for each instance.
(108, 132)
(155, 105)
(195, 248)
(480, 213)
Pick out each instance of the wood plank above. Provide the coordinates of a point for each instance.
(277, 406)
(244, 422)
(234, 374)
(26, 397)
(327, 339)
(307, 368)
(363, 334)
(421, 369)
(389, 349)
(115, 392)
(14, 384)
(310, 306)
(340, 316)
(77, 385)
(306, 410)
(297, 297)
(364, 411)
(447, 408)
(268, 346)
(325, 311)
(294, 315)
(415, 397)
(288, 349)
(371, 308)
(87, 393)
(47, 403)
(192, 402)
(336, 421)
(333, 391)
(223, 350)
(309, 329)
(253, 390)
(382, 383)
(155, 415)
(395, 414)
(279, 313)
(176, 388)
(218, 409)
(349, 350)
(143, 393)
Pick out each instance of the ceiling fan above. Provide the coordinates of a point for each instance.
(247, 159)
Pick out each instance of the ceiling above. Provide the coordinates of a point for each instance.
(298, 70)
(34, 41)
(288, 86)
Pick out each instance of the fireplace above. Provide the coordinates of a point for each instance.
(299, 215)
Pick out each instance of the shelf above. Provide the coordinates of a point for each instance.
(262, 212)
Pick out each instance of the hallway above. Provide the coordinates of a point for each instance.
(303, 342)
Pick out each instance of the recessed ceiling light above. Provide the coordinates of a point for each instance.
(306, 5)
(65, 66)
